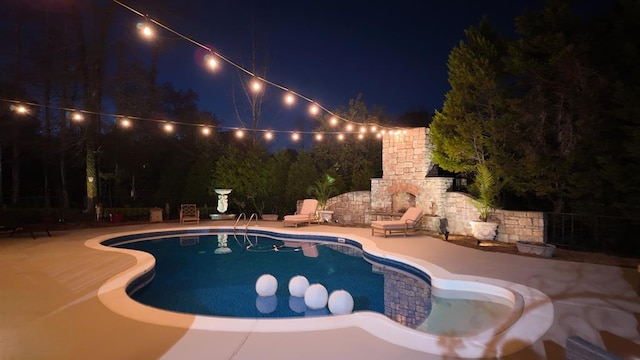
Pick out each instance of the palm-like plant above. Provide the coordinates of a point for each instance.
(486, 189)
(323, 190)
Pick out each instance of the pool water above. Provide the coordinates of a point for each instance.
(215, 275)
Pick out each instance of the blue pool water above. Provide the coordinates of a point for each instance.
(199, 272)
(191, 277)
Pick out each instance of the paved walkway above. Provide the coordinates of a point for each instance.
(49, 306)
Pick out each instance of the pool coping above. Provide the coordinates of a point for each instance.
(531, 318)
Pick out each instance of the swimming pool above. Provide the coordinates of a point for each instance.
(215, 275)
(501, 336)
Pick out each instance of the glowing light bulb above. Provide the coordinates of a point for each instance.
(349, 127)
(211, 61)
(379, 135)
(20, 109)
(125, 123)
(168, 127)
(374, 128)
(295, 136)
(360, 136)
(333, 121)
(383, 131)
(268, 135)
(146, 30)
(76, 116)
(239, 133)
(314, 109)
(289, 99)
(319, 137)
(256, 85)
(340, 136)
(363, 129)
(206, 130)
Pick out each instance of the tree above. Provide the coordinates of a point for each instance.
(558, 112)
(469, 129)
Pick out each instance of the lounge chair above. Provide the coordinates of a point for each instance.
(406, 224)
(306, 214)
(189, 213)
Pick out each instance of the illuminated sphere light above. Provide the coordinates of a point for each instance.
(313, 109)
(239, 134)
(289, 99)
(340, 137)
(255, 85)
(297, 305)
(298, 285)
(206, 130)
(319, 137)
(268, 135)
(316, 296)
(266, 285)
(340, 302)
(333, 121)
(168, 127)
(125, 123)
(76, 116)
(295, 136)
(266, 304)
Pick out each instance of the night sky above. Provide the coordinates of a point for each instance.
(394, 53)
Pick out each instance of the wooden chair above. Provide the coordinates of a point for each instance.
(189, 213)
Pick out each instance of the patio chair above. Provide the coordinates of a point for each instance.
(406, 224)
(306, 214)
(189, 213)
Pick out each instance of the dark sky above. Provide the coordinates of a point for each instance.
(393, 52)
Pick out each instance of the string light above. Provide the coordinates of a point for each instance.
(333, 121)
(340, 137)
(256, 85)
(211, 61)
(318, 137)
(295, 136)
(125, 123)
(289, 99)
(206, 131)
(349, 127)
(213, 57)
(239, 133)
(268, 135)
(77, 116)
(168, 127)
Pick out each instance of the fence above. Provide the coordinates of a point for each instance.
(606, 234)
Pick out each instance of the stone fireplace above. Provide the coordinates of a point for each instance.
(406, 161)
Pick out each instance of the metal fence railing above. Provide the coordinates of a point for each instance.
(606, 234)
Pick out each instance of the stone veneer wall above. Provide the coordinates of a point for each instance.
(514, 225)
(350, 208)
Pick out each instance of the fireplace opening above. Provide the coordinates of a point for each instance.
(402, 201)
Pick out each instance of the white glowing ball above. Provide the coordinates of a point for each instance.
(340, 302)
(298, 285)
(316, 296)
(266, 285)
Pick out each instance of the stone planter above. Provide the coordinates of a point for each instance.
(536, 248)
(484, 230)
(326, 216)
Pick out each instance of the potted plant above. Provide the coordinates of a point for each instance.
(323, 190)
(485, 188)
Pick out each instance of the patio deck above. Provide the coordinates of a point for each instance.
(49, 306)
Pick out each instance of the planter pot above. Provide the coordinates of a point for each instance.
(326, 216)
(536, 248)
(484, 230)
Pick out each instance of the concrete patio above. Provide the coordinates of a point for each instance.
(49, 305)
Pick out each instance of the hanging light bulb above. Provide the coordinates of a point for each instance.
(256, 85)
(340, 136)
(295, 136)
(360, 136)
(20, 109)
(211, 61)
(167, 127)
(318, 137)
(379, 135)
(205, 130)
(239, 133)
(374, 128)
(125, 123)
(363, 129)
(145, 28)
(349, 127)
(314, 109)
(333, 121)
(289, 99)
(77, 116)
(268, 135)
